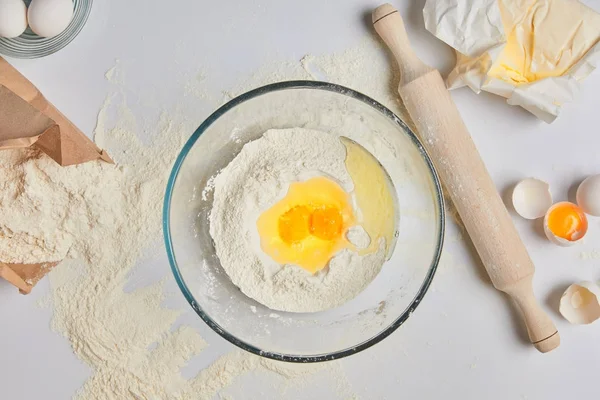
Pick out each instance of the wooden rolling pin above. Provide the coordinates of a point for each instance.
(446, 139)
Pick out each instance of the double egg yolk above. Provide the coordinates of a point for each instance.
(307, 227)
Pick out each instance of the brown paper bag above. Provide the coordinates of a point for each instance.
(21, 125)
(27, 118)
(25, 276)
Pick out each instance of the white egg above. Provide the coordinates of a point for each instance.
(48, 18)
(531, 198)
(580, 304)
(13, 18)
(588, 195)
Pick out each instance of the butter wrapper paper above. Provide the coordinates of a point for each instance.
(534, 53)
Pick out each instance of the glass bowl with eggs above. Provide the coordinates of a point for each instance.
(303, 221)
(37, 28)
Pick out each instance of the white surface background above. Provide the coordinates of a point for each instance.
(464, 341)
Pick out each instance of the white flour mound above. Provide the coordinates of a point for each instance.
(253, 182)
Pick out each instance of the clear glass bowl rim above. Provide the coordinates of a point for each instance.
(301, 84)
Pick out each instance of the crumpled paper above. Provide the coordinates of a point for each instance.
(532, 52)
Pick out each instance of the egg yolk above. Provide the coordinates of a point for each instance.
(294, 224)
(326, 223)
(300, 221)
(307, 227)
(567, 221)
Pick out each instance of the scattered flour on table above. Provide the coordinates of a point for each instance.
(589, 255)
(365, 68)
(126, 336)
(257, 178)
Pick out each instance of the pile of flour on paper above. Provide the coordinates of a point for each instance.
(51, 212)
(256, 179)
(126, 335)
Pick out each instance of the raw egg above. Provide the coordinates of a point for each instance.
(565, 223)
(307, 227)
(375, 197)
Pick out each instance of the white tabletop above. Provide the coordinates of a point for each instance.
(464, 340)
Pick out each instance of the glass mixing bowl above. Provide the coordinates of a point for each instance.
(303, 337)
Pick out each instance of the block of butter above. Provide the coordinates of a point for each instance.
(532, 52)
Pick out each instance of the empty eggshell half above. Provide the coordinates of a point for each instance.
(531, 198)
(580, 304)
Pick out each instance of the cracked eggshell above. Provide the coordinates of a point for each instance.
(580, 304)
(588, 195)
(531, 198)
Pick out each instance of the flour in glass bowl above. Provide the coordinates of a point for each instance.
(256, 179)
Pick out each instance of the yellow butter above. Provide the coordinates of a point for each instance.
(544, 38)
